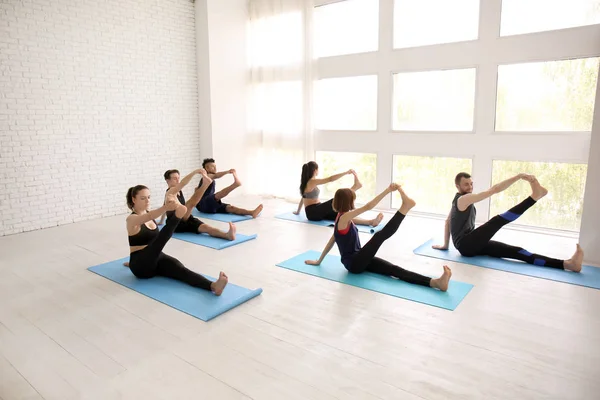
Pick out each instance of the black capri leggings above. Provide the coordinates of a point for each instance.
(365, 259)
(478, 241)
(151, 261)
(321, 211)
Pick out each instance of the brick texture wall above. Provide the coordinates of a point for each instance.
(95, 96)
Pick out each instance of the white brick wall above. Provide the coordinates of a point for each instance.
(95, 96)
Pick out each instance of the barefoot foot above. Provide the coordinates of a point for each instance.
(357, 185)
(574, 263)
(537, 190)
(257, 211)
(218, 286)
(407, 202)
(377, 220)
(231, 231)
(236, 180)
(442, 282)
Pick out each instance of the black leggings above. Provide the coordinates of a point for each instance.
(321, 211)
(151, 261)
(365, 259)
(478, 242)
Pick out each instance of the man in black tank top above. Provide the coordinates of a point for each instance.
(471, 241)
(211, 202)
(193, 224)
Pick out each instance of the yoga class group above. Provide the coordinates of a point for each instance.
(148, 233)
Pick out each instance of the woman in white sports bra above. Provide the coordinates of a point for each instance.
(309, 189)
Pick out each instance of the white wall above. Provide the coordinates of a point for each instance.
(225, 48)
(589, 236)
(96, 96)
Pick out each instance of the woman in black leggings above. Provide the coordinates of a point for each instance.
(146, 242)
(357, 259)
(309, 189)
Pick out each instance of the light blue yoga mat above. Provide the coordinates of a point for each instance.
(332, 269)
(196, 302)
(589, 276)
(290, 216)
(214, 243)
(221, 217)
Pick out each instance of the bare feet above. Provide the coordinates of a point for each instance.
(357, 185)
(236, 180)
(231, 232)
(377, 220)
(218, 286)
(257, 211)
(407, 202)
(537, 190)
(442, 282)
(574, 263)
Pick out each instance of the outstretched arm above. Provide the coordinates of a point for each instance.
(219, 175)
(175, 189)
(326, 250)
(197, 196)
(163, 215)
(299, 206)
(315, 182)
(350, 215)
(446, 236)
(466, 200)
(136, 220)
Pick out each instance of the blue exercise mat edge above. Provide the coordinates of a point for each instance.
(449, 300)
(592, 274)
(221, 217)
(196, 238)
(206, 316)
(290, 216)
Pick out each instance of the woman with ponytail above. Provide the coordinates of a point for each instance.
(146, 242)
(317, 211)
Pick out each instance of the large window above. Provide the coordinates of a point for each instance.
(334, 162)
(269, 49)
(426, 22)
(525, 16)
(428, 180)
(276, 107)
(346, 103)
(560, 209)
(346, 27)
(434, 100)
(547, 96)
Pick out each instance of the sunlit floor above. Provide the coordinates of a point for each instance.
(66, 333)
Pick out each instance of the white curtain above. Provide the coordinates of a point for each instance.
(279, 103)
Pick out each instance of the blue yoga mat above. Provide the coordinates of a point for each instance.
(290, 216)
(589, 276)
(212, 242)
(221, 217)
(196, 302)
(332, 269)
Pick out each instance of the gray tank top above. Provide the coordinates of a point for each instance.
(461, 222)
(313, 194)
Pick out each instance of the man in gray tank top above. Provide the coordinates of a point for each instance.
(471, 241)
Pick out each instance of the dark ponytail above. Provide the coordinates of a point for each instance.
(308, 170)
(131, 193)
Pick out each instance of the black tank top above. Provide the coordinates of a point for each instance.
(461, 222)
(144, 237)
(348, 244)
(209, 191)
(181, 200)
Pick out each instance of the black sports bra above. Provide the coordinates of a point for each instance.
(144, 237)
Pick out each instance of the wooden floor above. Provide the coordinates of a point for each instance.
(66, 333)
